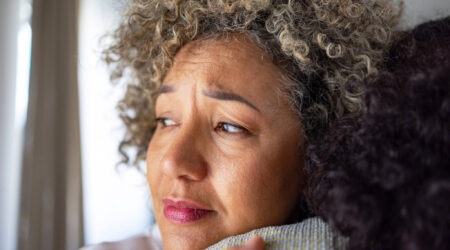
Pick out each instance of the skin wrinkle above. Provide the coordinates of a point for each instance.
(228, 97)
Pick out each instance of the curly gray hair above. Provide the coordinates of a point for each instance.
(321, 45)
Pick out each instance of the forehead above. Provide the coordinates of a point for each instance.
(230, 63)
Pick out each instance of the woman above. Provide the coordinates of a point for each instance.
(383, 177)
(223, 96)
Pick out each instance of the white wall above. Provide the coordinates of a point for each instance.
(116, 203)
(419, 11)
(9, 172)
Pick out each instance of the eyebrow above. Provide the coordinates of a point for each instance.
(226, 96)
(166, 89)
(220, 95)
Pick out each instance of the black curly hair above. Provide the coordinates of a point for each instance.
(382, 177)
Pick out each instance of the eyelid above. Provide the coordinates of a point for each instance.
(219, 128)
(160, 120)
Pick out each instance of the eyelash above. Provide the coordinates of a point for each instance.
(220, 127)
(161, 121)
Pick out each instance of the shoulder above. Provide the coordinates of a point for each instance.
(312, 233)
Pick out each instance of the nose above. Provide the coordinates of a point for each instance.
(184, 157)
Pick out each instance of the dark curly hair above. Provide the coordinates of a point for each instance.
(382, 177)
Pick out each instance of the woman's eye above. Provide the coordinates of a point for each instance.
(165, 122)
(230, 128)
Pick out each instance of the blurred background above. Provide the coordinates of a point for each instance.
(59, 131)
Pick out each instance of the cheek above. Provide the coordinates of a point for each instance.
(259, 190)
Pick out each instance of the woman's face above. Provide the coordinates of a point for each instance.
(227, 155)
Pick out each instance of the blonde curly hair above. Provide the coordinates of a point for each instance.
(321, 45)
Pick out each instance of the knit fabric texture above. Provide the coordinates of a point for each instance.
(312, 233)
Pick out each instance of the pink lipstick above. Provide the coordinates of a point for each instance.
(182, 212)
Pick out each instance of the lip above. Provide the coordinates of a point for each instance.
(182, 212)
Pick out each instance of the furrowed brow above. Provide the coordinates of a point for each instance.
(227, 96)
(166, 89)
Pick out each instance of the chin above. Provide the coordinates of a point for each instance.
(188, 241)
(184, 244)
(197, 235)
